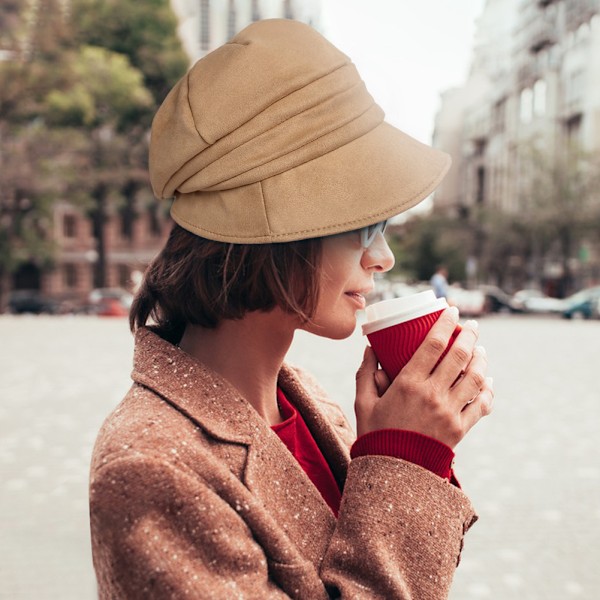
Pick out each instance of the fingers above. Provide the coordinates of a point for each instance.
(365, 376)
(459, 356)
(366, 389)
(434, 344)
(369, 371)
(481, 406)
(473, 379)
(367, 368)
(382, 381)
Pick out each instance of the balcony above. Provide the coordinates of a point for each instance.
(541, 33)
(528, 74)
(578, 12)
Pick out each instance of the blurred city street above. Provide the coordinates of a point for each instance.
(532, 469)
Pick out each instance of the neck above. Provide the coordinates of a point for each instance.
(248, 353)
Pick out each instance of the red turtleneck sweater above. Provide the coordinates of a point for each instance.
(408, 445)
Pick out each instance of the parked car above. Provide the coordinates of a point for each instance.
(470, 303)
(535, 301)
(497, 300)
(585, 303)
(110, 302)
(31, 301)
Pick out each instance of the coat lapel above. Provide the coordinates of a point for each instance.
(324, 419)
(271, 473)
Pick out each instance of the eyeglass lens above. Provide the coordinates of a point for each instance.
(370, 232)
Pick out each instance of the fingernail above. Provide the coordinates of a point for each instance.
(490, 382)
(453, 312)
(480, 350)
(472, 324)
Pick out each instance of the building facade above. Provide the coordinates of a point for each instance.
(529, 106)
(130, 241)
(132, 236)
(207, 24)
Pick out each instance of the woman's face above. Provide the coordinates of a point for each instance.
(347, 271)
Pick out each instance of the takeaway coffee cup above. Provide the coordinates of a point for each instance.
(397, 327)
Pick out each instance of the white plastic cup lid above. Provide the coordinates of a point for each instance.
(399, 310)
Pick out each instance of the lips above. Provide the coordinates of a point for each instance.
(358, 297)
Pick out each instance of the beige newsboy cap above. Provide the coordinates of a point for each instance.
(273, 137)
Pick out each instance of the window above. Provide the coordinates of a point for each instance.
(575, 86)
(70, 275)
(231, 20)
(583, 32)
(288, 13)
(154, 220)
(526, 107)
(480, 194)
(204, 24)
(70, 226)
(479, 146)
(539, 98)
(499, 115)
(573, 130)
(128, 216)
(255, 11)
(124, 276)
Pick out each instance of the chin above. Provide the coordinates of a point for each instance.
(337, 331)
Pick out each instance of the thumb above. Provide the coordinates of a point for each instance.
(365, 376)
(366, 390)
(382, 381)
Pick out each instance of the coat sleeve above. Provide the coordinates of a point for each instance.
(389, 542)
(161, 532)
(399, 532)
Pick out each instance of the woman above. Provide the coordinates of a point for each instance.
(226, 473)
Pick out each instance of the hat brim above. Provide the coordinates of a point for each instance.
(375, 177)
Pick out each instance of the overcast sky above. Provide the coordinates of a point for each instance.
(407, 51)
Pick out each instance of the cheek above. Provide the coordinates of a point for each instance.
(339, 266)
(331, 289)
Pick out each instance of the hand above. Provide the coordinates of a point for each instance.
(443, 402)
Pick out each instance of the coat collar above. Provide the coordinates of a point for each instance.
(270, 472)
(211, 401)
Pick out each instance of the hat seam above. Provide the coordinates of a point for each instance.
(264, 205)
(280, 235)
(270, 129)
(193, 120)
(346, 64)
(312, 141)
(349, 63)
(316, 230)
(210, 144)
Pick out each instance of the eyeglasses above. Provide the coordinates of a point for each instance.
(369, 233)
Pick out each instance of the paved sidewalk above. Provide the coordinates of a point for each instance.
(532, 469)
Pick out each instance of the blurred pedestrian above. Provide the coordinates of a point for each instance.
(225, 472)
(439, 282)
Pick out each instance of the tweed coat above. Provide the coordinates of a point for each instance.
(192, 495)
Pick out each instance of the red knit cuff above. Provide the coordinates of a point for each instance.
(411, 446)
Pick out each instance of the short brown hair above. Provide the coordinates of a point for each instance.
(201, 282)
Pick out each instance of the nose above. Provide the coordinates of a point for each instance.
(378, 256)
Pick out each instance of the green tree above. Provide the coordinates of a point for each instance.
(561, 201)
(36, 167)
(10, 25)
(87, 80)
(144, 31)
(430, 240)
(105, 90)
(502, 246)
